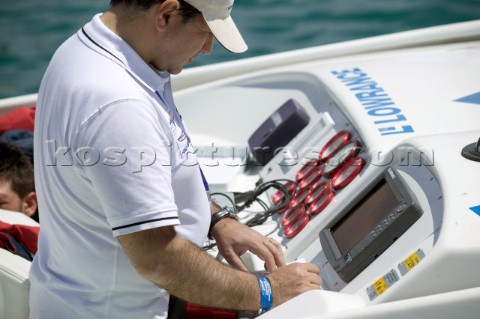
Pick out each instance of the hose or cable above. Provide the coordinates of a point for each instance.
(243, 200)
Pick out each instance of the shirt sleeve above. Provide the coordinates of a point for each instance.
(131, 172)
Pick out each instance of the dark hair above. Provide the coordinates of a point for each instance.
(187, 10)
(17, 168)
(139, 4)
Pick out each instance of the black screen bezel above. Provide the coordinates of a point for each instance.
(358, 214)
(349, 264)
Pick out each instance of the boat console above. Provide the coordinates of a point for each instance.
(373, 188)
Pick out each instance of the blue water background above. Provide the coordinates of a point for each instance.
(31, 30)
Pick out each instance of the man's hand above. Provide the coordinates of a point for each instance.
(186, 271)
(234, 239)
(292, 280)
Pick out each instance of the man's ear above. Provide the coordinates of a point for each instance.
(30, 204)
(164, 11)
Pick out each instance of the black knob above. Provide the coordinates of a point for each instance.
(472, 151)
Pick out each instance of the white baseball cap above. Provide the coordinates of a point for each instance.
(217, 15)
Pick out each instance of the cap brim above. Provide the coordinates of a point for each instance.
(226, 32)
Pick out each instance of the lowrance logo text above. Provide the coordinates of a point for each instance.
(387, 116)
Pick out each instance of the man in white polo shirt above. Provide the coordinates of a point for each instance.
(122, 199)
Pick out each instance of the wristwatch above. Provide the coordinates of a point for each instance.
(225, 212)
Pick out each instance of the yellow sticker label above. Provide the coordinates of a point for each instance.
(411, 261)
(380, 286)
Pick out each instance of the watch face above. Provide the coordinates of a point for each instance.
(231, 213)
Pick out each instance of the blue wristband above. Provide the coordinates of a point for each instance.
(265, 294)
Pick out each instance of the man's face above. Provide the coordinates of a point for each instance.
(184, 43)
(9, 200)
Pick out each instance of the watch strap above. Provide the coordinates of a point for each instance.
(225, 212)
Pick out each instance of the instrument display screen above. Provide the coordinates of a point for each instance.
(369, 224)
(364, 217)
